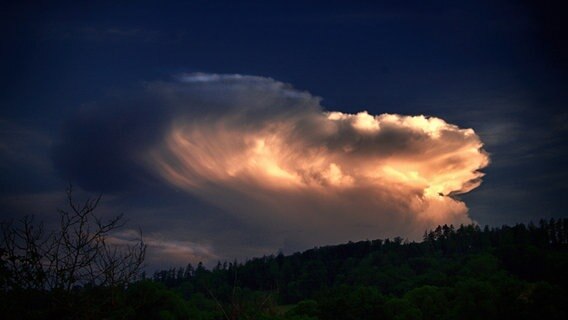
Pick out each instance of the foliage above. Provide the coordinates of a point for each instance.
(454, 273)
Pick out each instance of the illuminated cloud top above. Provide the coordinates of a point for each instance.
(272, 156)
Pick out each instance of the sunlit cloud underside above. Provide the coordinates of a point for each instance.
(269, 158)
(271, 155)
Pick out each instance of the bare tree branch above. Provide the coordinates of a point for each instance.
(76, 254)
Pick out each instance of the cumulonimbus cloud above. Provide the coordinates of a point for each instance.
(273, 156)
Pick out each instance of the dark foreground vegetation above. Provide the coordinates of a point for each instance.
(518, 272)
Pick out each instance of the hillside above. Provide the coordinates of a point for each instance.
(454, 273)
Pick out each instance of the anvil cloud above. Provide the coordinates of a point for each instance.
(273, 157)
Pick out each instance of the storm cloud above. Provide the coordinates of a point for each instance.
(273, 157)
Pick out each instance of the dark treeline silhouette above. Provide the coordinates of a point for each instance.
(454, 273)
(468, 272)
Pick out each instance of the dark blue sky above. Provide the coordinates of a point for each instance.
(499, 67)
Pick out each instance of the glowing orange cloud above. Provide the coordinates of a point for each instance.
(314, 175)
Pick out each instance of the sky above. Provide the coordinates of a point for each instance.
(229, 130)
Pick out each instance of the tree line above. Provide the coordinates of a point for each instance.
(455, 272)
(466, 272)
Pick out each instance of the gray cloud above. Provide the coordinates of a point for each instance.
(162, 251)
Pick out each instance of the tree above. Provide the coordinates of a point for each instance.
(82, 252)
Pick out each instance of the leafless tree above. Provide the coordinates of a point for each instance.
(81, 252)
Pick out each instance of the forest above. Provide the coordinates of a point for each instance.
(465, 272)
